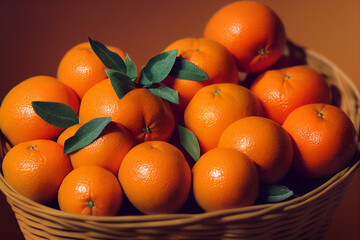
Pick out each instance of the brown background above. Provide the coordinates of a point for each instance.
(36, 34)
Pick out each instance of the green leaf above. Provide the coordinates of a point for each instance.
(57, 114)
(183, 69)
(159, 66)
(165, 93)
(144, 80)
(86, 134)
(124, 78)
(131, 70)
(110, 59)
(274, 193)
(120, 82)
(189, 141)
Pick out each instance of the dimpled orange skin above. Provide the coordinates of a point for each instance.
(281, 91)
(251, 31)
(36, 169)
(264, 142)
(18, 120)
(324, 139)
(155, 177)
(213, 58)
(107, 151)
(225, 178)
(215, 107)
(80, 68)
(146, 116)
(90, 190)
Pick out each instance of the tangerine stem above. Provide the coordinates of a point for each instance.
(217, 92)
(320, 114)
(32, 147)
(262, 51)
(147, 130)
(91, 205)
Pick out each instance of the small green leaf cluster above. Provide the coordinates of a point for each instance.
(123, 74)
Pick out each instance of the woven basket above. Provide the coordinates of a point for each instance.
(305, 217)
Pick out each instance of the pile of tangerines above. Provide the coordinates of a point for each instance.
(184, 124)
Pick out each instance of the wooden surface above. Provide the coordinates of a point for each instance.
(36, 34)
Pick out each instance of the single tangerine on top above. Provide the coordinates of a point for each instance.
(251, 31)
(80, 68)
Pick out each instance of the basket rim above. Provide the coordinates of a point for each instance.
(252, 211)
(148, 221)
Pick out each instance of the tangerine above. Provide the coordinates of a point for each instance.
(224, 178)
(146, 116)
(18, 120)
(265, 142)
(155, 177)
(36, 169)
(90, 190)
(324, 139)
(251, 31)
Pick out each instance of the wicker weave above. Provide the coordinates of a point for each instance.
(304, 217)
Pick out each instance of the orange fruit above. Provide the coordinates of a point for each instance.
(107, 151)
(251, 31)
(155, 177)
(80, 68)
(264, 142)
(90, 190)
(215, 107)
(324, 139)
(211, 57)
(18, 120)
(36, 169)
(224, 178)
(146, 116)
(281, 91)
